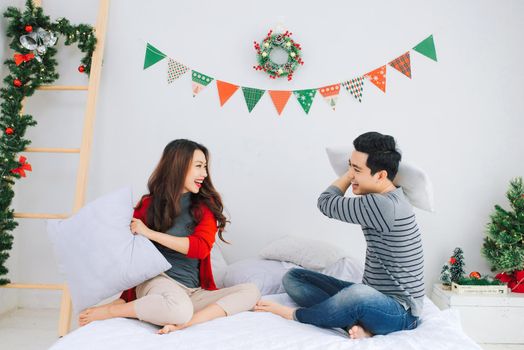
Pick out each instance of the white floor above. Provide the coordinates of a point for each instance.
(36, 329)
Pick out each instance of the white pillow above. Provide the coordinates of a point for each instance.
(266, 274)
(414, 181)
(311, 254)
(218, 265)
(98, 253)
(346, 269)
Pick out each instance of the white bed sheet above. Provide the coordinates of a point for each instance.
(265, 331)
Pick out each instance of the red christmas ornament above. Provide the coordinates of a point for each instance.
(17, 83)
(474, 274)
(24, 165)
(28, 28)
(81, 69)
(9, 131)
(452, 261)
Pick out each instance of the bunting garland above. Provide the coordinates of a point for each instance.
(280, 98)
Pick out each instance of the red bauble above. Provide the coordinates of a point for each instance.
(474, 274)
(452, 261)
(17, 83)
(9, 131)
(81, 69)
(28, 28)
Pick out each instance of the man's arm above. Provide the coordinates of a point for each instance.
(363, 210)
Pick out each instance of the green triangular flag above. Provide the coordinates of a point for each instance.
(153, 55)
(200, 81)
(305, 98)
(252, 96)
(427, 48)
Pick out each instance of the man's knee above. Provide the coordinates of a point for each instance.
(290, 278)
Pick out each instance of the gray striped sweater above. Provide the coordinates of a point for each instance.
(394, 256)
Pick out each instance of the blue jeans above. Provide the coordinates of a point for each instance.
(331, 303)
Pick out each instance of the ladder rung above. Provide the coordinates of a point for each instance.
(62, 87)
(40, 216)
(52, 150)
(34, 286)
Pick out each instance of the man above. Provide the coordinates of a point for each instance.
(390, 297)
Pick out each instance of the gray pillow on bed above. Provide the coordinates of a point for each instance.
(98, 253)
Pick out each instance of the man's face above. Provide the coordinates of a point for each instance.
(362, 182)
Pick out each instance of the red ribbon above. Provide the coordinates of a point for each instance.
(514, 280)
(23, 167)
(20, 58)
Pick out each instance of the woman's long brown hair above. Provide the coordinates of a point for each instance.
(167, 182)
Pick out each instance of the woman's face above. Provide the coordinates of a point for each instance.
(197, 172)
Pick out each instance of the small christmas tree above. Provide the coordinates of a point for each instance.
(445, 275)
(504, 244)
(457, 265)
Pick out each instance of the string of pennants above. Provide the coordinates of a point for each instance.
(280, 98)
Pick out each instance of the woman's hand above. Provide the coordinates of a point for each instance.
(138, 227)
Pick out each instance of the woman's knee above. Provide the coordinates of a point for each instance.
(177, 311)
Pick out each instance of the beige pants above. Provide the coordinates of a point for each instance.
(162, 300)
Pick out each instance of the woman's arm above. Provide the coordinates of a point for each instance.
(179, 244)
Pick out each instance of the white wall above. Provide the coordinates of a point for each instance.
(460, 119)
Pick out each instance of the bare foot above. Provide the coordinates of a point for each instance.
(168, 328)
(276, 308)
(357, 332)
(94, 313)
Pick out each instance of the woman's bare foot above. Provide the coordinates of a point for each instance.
(98, 312)
(357, 332)
(168, 328)
(276, 308)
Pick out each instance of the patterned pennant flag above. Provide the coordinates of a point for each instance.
(427, 48)
(153, 55)
(225, 91)
(330, 94)
(378, 77)
(280, 99)
(252, 96)
(200, 81)
(355, 87)
(175, 70)
(402, 64)
(305, 98)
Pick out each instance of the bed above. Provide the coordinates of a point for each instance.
(256, 330)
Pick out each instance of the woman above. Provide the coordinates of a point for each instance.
(180, 215)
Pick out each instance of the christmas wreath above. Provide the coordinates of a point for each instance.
(33, 64)
(274, 42)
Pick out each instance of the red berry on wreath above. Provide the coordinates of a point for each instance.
(17, 83)
(474, 274)
(28, 28)
(81, 69)
(9, 131)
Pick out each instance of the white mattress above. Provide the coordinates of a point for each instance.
(254, 330)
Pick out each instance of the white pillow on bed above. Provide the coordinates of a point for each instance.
(266, 274)
(308, 253)
(218, 264)
(98, 253)
(413, 180)
(346, 269)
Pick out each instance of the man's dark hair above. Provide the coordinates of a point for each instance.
(381, 150)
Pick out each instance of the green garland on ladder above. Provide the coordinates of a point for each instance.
(33, 64)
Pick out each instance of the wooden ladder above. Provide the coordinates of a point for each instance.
(64, 322)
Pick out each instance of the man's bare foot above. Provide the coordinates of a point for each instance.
(276, 308)
(357, 332)
(94, 313)
(168, 328)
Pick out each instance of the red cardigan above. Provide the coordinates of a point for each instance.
(200, 244)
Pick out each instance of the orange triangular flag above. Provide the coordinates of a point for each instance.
(280, 99)
(225, 91)
(402, 64)
(378, 77)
